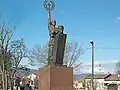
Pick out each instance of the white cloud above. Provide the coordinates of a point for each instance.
(106, 66)
(117, 20)
(103, 62)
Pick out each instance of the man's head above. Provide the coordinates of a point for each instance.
(53, 22)
(61, 28)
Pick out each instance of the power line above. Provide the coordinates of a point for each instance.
(108, 48)
(104, 48)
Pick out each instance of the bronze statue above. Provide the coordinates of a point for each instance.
(60, 29)
(49, 5)
(59, 46)
(54, 34)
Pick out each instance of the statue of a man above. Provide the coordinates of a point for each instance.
(59, 60)
(57, 37)
(52, 32)
(60, 29)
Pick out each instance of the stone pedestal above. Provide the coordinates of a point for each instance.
(56, 78)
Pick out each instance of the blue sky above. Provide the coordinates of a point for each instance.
(84, 20)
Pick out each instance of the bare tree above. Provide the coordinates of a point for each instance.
(38, 55)
(6, 33)
(19, 52)
(11, 52)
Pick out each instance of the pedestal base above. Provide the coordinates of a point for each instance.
(56, 78)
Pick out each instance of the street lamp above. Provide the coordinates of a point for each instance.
(92, 43)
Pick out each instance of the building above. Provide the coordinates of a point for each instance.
(78, 85)
(32, 77)
(112, 82)
(103, 82)
(78, 81)
(98, 81)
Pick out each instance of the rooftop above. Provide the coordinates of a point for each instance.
(113, 77)
(98, 76)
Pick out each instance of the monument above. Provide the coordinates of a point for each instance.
(56, 50)
(55, 76)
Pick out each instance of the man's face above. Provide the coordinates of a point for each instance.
(60, 28)
(53, 22)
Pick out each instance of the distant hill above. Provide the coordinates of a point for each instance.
(80, 76)
(75, 76)
(26, 72)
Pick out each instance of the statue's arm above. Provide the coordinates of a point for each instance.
(49, 20)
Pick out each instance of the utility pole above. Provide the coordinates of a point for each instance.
(92, 44)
